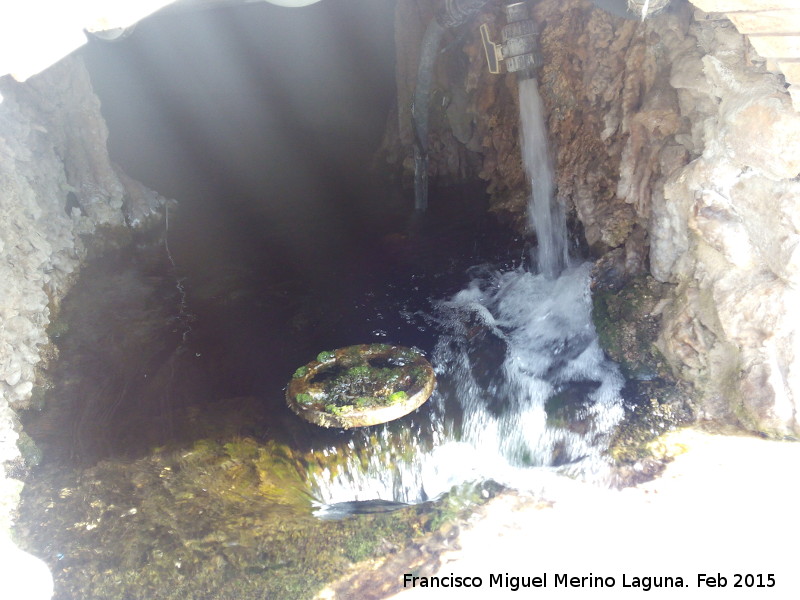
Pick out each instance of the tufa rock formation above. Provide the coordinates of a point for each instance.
(678, 154)
(58, 188)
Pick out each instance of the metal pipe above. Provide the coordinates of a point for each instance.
(520, 41)
(519, 47)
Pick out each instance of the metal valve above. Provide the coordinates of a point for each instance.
(519, 41)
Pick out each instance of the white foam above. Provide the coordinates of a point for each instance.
(526, 388)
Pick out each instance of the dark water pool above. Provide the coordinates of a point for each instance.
(171, 467)
(146, 345)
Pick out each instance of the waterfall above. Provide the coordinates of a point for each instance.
(545, 215)
(524, 389)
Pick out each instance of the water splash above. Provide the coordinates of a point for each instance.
(530, 376)
(524, 389)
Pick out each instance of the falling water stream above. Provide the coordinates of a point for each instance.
(524, 389)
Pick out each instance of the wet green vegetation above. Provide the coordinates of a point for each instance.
(628, 324)
(219, 519)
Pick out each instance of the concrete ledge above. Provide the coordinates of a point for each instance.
(776, 46)
(742, 5)
(768, 21)
(791, 70)
(24, 577)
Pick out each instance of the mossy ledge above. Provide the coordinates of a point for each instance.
(218, 519)
(628, 322)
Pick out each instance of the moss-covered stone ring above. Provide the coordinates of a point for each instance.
(360, 386)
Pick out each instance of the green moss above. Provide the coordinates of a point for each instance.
(363, 376)
(397, 397)
(364, 385)
(325, 356)
(304, 398)
(652, 408)
(301, 372)
(335, 409)
(359, 372)
(30, 452)
(57, 328)
(223, 519)
(628, 327)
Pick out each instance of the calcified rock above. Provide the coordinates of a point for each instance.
(56, 183)
(675, 149)
(725, 230)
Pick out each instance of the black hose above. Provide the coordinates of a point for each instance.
(419, 111)
(452, 13)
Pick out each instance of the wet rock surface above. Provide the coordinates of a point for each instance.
(226, 516)
(57, 185)
(676, 153)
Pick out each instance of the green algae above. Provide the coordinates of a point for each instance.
(373, 386)
(460, 503)
(397, 397)
(325, 356)
(360, 377)
(216, 519)
(628, 324)
(304, 398)
(30, 452)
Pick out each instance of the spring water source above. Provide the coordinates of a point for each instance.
(524, 390)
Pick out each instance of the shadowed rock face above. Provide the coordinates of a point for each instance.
(57, 184)
(675, 149)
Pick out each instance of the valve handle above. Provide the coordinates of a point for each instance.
(494, 52)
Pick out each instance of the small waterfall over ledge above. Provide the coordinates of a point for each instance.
(524, 389)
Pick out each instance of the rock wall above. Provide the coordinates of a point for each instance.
(57, 188)
(724, 230)
(677, 152)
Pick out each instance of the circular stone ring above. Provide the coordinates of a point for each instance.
(358, 386)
